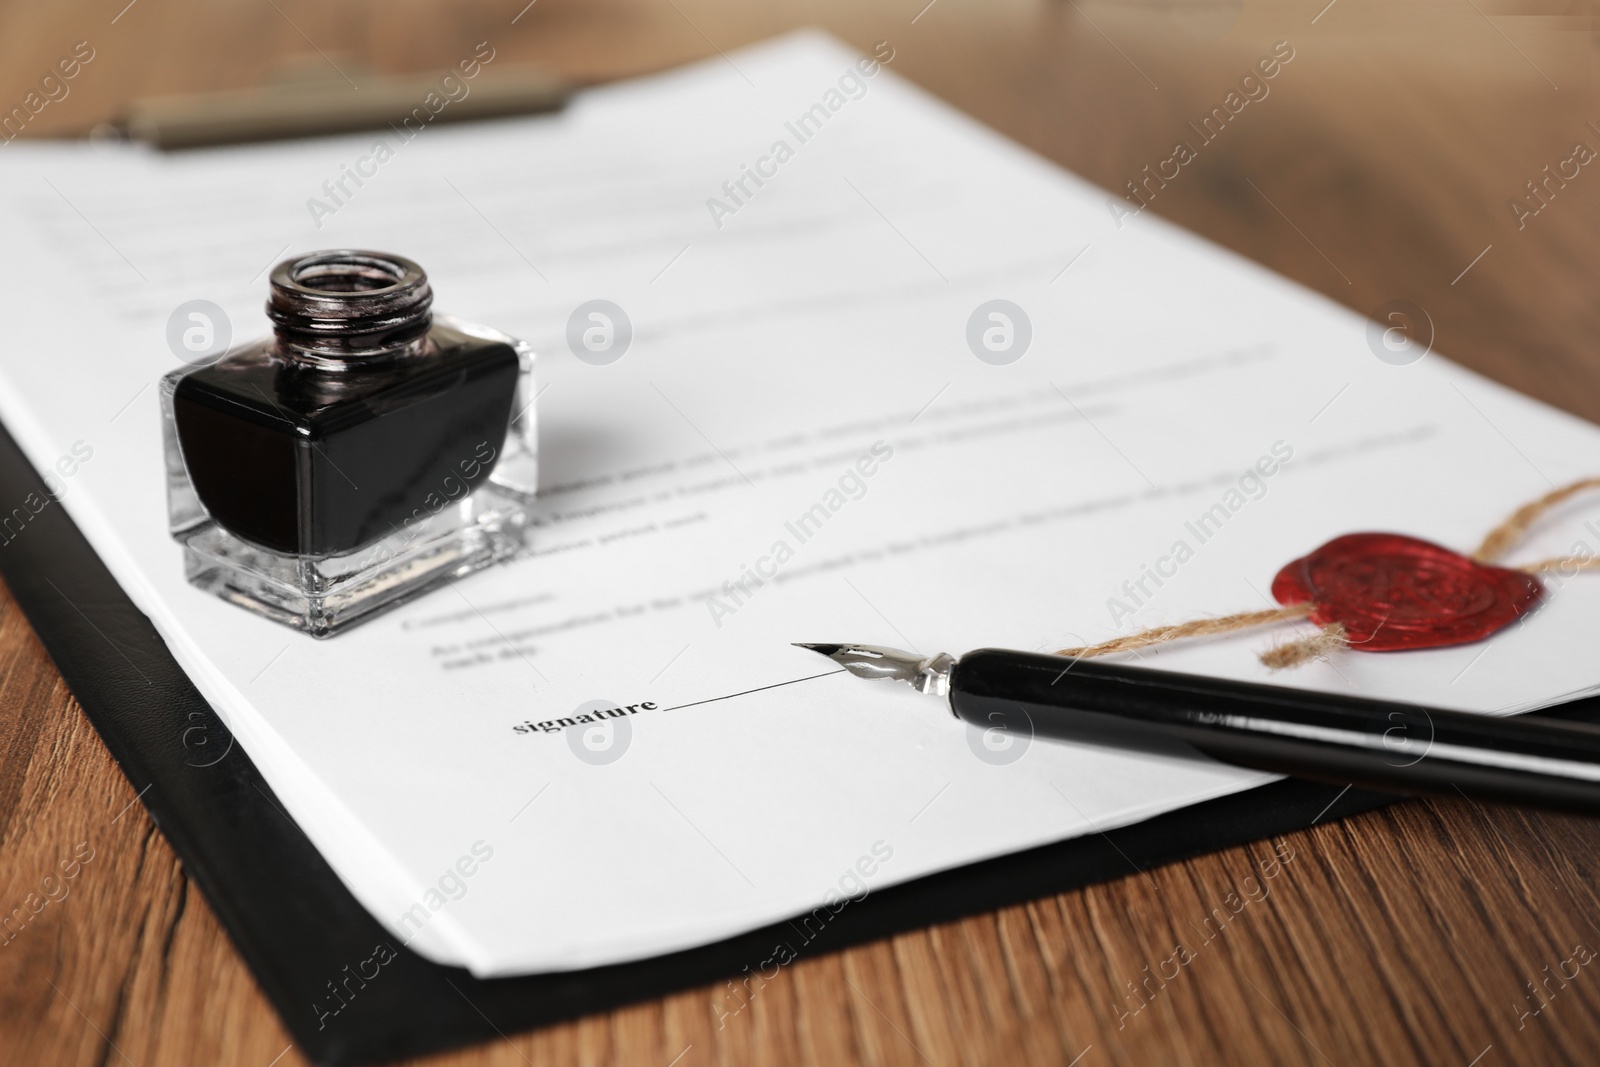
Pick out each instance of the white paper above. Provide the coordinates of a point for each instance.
(823, 319)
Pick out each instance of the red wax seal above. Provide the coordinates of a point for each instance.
(1394, 592)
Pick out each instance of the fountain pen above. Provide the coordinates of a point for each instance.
(1373, 744)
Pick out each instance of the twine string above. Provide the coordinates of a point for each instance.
(1508, 533)
(1332, 637)
(1192, 628)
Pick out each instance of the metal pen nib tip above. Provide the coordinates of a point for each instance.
(927, 674)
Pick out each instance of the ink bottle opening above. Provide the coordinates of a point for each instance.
(365, 453)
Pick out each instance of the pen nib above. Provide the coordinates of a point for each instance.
(930, 674)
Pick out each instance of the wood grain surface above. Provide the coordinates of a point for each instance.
(1381, 167)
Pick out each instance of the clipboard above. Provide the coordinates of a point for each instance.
(313, 948)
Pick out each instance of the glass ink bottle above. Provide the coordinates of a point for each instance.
(366, 452)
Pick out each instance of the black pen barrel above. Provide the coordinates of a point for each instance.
(1375, 744)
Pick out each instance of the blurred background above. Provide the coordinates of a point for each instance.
(1382, 166)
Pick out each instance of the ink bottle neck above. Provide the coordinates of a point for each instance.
(345, 309)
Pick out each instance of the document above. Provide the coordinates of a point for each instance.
(818, 430)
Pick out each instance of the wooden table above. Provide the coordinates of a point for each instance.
(1381, 167)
